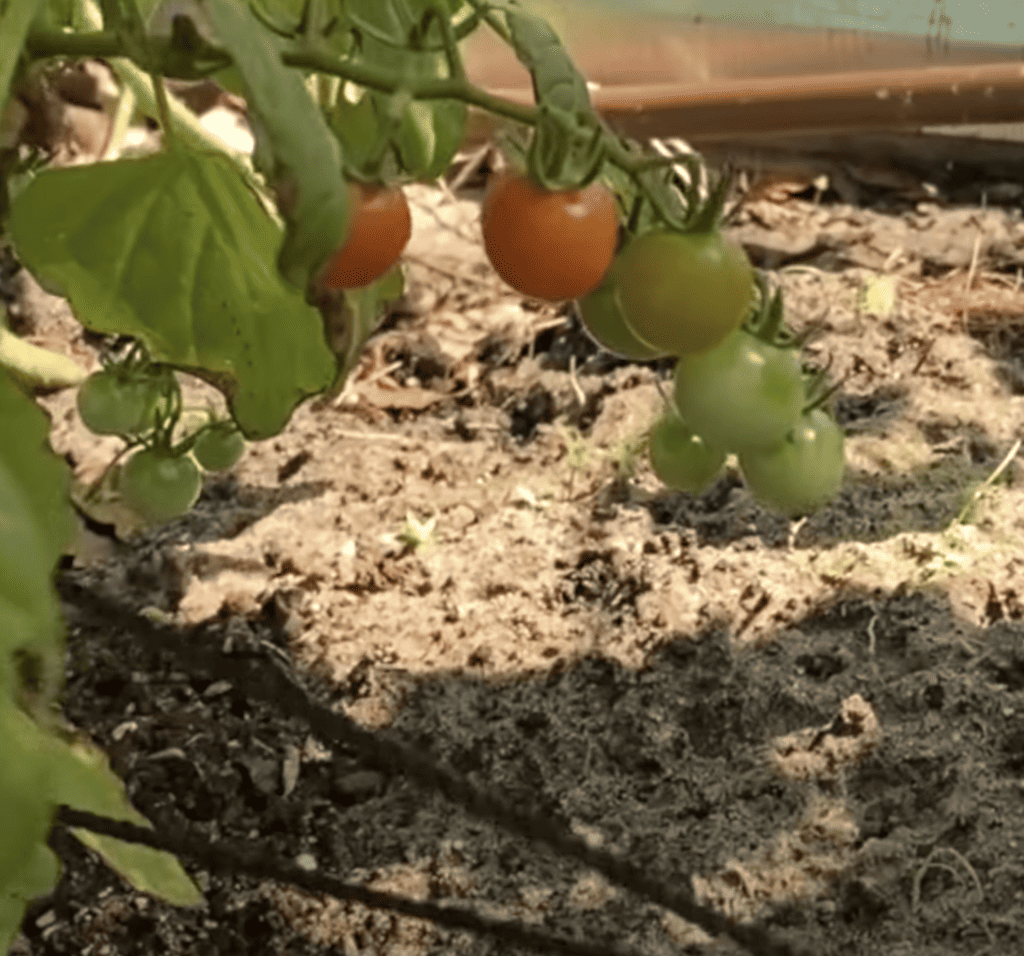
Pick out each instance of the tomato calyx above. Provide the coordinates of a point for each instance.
(662, 201)
(767, 321)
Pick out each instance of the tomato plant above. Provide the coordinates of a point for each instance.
(804, 471)
(745, 394)
(211, 263)
(684, 292)
(551, 245)
(159, 484)
(23, 775)
(602, 318)
(682, 460)
(114, 402)
(379, 230)
(218, 446)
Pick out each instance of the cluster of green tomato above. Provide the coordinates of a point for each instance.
(739, 385)
(141, 403)
(686, 291)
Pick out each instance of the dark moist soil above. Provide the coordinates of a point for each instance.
(820, 725)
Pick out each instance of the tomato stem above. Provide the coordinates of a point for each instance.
(456, 68)
(817, 395)
(106, 44)
(486, 13)
(94, 488)
(170, 137)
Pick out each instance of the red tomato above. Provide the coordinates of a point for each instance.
(380, 228)
(549, 245)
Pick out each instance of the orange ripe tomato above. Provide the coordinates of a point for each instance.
(379, 230)
(549, 245)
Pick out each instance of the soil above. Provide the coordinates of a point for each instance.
(466, 549)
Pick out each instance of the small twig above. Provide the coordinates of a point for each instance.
(433, 213)
(454, 276)
(872, 639)
(987, 483)
(794, 530)
(94, 487)
(442, 184)
(352, 384)
(659, 385)
(933, 864)
(891, 260)
(470, 167)
(923, 357)
(259, 862)
(970, 280)
(577, 389)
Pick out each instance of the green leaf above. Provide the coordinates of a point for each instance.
(36, 524)
(26, 773)
(38, 877)
(556, 81)
(294, 145)
(56, 15)
(355, 120)
(147, 8)
(85, 781)
(15, 19)
(430, 135)
(174, 250)
(426, 133)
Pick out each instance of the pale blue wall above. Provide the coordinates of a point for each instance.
(969, 21)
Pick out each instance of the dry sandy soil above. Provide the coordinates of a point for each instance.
(820, 725)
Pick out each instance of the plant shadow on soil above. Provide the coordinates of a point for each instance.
(655, 739)
(668, 763)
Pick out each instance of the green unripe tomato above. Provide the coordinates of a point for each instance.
(602, 318)
(158, 485)
(802, 473)
(681, 459)
(218, 446)
(112, 403)
(742, 395)
(684, 292)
